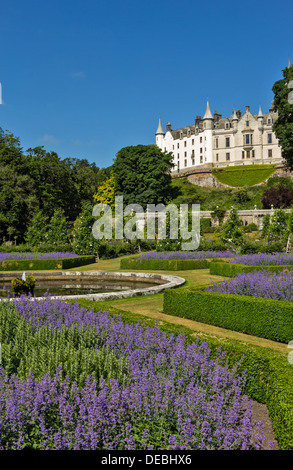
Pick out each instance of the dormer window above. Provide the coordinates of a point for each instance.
(227, 125)
(247, 123)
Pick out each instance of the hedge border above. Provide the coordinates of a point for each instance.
(46, 264)
(265, 318)
(224, 268)
(164, 264)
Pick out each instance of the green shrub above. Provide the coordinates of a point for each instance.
(265, 318)
(164, 264)
(226, 269)
(21, 286)
(45, 264)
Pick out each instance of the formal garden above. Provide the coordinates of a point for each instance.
(182, 369)
(205, 365)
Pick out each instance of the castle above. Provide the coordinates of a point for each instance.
(216, 141)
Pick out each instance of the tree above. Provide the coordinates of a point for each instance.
(232, 229)
(84, 242)
(283, 126)
(278, 229)
(266, 226)
(58, 229)
(37, 230)
(105, 193)
(279, 197)
(143, 174)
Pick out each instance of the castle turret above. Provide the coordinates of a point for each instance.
(235, 120)
(260, 118)
(160, 135)
(208, 117)
(208, 125)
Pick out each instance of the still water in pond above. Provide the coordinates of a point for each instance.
(73, 287)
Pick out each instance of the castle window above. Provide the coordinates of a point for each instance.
(178, 156)
(269, 121)
(185, 162)
(200, 149)
(192, 153)
(227, 156)
(269, 138)
(252, 153)
(217, 157)
(178, 145)
(227, 141)
(192, 141)
(270, 153)
(227, 125)
(248, 154)
(200, 139)
(247, 139)
(201, 159)
(247, 123)
(181, 135)
(217, 143)
(193, 163)
(184, 143)
(185, 154)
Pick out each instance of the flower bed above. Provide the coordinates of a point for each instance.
(186, 255)
(53, 255)
(165, 394)
(265, 259)
(174, 260)
(42, 261)
(275, 262)
(258, 303)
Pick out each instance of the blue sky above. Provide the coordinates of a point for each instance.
(86, 78)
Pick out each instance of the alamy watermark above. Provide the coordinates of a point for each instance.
(157, 222)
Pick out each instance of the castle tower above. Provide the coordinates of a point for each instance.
(160, 135)
(260, 118)
(235, 120)
(208, 126)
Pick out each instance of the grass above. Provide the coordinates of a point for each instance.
(243, 175)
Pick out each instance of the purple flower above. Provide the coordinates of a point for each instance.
(186, 255)
(176, 395)
(19, 256)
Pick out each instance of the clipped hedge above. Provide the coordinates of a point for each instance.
(224, 268)
(45, 264)
(164, 264)
(265, 318)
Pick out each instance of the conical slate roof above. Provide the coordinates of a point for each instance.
(160, 129)
(208, 114)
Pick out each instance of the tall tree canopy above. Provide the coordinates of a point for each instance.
(36, 180)
(283, 127)
(143, 174)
